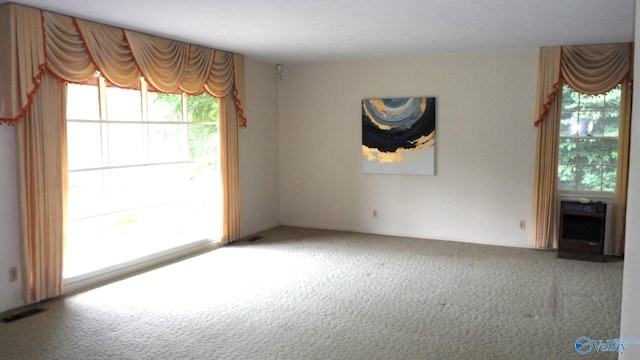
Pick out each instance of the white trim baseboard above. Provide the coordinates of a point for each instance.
(10, 305)
(258, 229)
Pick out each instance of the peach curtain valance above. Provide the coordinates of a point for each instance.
(73, 49)
(590, 69)
(22, 59)
(596, 69)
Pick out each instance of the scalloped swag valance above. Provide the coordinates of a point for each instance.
(38, 42)
(590, 69)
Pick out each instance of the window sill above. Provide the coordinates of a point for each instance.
(591, 196)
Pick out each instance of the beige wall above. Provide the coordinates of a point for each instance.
(485, 147)
(10, 293)
(259, 150)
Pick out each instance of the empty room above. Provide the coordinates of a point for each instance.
(450, 179)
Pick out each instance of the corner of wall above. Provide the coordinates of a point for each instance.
(629, 316)
(259, 150)
(10, 292)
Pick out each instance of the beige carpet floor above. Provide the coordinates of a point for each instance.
(314, 294)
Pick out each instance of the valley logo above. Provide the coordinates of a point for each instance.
(584, 345)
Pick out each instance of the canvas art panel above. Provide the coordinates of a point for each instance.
(398, 136)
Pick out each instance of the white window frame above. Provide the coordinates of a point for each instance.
(92, 278)
(604, 196)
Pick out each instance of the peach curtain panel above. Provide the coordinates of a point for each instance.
(619, 211)
(42, 148)
(231, 176)
(36, 44)
(590, 69)
(549, 104)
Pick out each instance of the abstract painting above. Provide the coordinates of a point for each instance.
(399, 136)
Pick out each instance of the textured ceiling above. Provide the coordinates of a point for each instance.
(294, 31)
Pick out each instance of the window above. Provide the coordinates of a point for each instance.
(143, 173)
(588, 148)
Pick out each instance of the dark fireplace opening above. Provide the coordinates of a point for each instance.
(578, 227)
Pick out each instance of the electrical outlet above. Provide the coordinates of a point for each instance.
(523, 224)
(13, 274)
(375, 213)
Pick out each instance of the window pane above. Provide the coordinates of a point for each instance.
(202, 107)
(566, 177)
(569, 124)
(589, 177)
(588, 144)
(588, 121)
(589, 151)
(567, 152)
(161, 187)
(85, 194)
(596, 126)
(84, 145)
(164, 107)
(168, 143)
(612, 98)
(83, 103)
(611, 123)
(610, 151)
(126, 189)
(203, 142)
(570, 99)
(134, 187)
(126, 144)
(609, 173)
(589, 102)
(123, 104)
